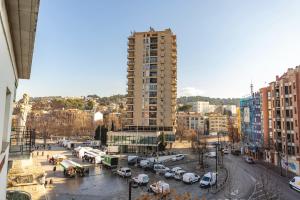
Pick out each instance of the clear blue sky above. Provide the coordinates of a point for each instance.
(80, 46)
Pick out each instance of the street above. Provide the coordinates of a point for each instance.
(243, 177)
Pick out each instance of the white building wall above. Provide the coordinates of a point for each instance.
(7, 83)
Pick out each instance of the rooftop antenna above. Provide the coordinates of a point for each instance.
(251, 88)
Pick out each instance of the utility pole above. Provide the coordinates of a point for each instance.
(217, 165)
(129, 190)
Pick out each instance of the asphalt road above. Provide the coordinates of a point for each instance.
(243, 177)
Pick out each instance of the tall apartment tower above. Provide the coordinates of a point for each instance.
(152, 80)
(151, 97)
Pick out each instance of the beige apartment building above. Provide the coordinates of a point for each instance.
(192, 121)
(151, 91)
(284, 129)
(218, 122)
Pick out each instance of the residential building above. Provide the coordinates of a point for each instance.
(266, 122)
(285, 98)
(250, 110)
(202, 107)
(218, 123)
(151, 91)
(230, 108)
(17, 35)
(192, 121)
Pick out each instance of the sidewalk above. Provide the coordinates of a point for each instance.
(276, 169)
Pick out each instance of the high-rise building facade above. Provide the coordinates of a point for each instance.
(152, 88)
(251, 131)
(152, 80)
(285, 102)
(266, 122)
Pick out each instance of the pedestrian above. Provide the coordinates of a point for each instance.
(54, 168)
(51, 181)
(42, 153)
(46, 182)
(37, 153)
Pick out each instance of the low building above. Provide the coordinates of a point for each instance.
(202, 107)
(192, 121)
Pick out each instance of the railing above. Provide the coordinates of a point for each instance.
(21, 141)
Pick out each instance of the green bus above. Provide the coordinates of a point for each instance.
(110, 161)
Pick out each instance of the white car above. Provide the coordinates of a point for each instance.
(179, 174)
(211, 154)
(124, 172)
(159, 168)
(160, 187)
(190, 178)
(175, 169)
(178, 157)
(226, 151)
(295, 183)
(141, 179)
(169, 174)
(208, 179)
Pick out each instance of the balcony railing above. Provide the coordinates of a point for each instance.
(21, 141)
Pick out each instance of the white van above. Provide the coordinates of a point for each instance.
(190, 178)
(295, 183)
(141, 179)
(178, 174)
(160, 187)
(208, 179)
(124, 172)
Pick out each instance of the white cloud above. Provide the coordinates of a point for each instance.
(190, 91)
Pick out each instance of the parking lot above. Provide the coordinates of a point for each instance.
(104, 184)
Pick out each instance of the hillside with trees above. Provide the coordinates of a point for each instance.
(214, 101)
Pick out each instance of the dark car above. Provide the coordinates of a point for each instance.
(236, 152)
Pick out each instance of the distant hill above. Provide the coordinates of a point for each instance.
(214, 101)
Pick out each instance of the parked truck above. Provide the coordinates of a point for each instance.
(110, 161)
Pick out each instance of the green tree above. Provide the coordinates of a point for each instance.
(89, 105)
(185, 108)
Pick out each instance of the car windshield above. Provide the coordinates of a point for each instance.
(293, 180)
(205, 178)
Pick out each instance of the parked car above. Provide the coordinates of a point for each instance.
(159, 168)
(169, 174)
(226, 151)
(236, 152)
(132, 160)
(178, 157)
(249, 160)
(124, 172)
(179, 174)
(175, 169)
(211, 154)
(208, 179)
(144, 163)
(295, 183)
(160, 187)
(141, 179)
(190, 178)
